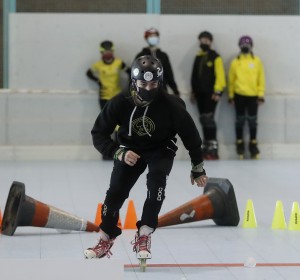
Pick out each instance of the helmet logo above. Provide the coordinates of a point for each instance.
(148, 76)
(159, 72)
(136, 71)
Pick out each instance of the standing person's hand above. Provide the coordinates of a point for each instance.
(216, 96)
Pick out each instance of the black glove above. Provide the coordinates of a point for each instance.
(121, 151)
(197, 171)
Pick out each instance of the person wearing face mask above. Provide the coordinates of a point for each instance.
(106, 72)
(152, 38)
(208, 82)
(246, 91)
(150, 120)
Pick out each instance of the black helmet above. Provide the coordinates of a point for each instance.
(147, 68)
(106, 46)
(205, 34)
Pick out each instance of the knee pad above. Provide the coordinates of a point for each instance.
(207, 120)
(156, 183)
(252, 121)
(240, 121)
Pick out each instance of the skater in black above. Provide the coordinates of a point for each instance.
(246, 91)
(208, 82)
(149, 120)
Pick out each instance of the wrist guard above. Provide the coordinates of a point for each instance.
(197, 171)
(121, 151)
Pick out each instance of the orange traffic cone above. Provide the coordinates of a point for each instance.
(98, 219)
(131, 218)
(22, 210)
(218, 202)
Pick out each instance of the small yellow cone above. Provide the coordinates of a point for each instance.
(278, 218)
(249, 216)
(294, 223)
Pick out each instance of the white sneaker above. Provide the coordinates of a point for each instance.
(101, 249)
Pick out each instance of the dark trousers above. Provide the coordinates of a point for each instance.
(246, 108)
(207, 107)
(123, 178)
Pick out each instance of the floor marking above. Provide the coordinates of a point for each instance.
(214, 265)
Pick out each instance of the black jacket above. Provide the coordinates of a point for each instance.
(146, 128)
(168, 72)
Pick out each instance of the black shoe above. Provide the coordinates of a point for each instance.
(240, 148)
(253, 149)
(212, 150)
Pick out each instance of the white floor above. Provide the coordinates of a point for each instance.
(199, 250)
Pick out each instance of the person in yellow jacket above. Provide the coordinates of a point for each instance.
(106, 72)
(246, 91)
(208, 82)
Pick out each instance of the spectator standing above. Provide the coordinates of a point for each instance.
(152, 38)
(246, 91)
(208, 82)
(106, 72)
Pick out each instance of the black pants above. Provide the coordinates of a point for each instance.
(123, 178)
(207, 107)
(246, 108)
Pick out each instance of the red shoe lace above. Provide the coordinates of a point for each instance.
(103, 248)
(142, 243)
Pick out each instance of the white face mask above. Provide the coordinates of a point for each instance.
(153, 40)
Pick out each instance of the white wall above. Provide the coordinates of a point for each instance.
(49, 54)
(57, 125)
(53, 51)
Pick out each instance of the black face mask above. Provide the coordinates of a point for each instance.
(147, 95)
(205, 47)
(245, 50)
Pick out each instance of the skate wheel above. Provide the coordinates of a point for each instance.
(255, 157)
(143, 264)
(241, 156)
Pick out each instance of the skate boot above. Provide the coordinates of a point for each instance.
(204, 149)
(240, 148)
(101, 249)
(253, 149)
(212, 150)
(142, 245)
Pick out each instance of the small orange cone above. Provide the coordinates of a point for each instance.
(98, 219)
(131, 218)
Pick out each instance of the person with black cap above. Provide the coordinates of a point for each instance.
(149, 120)
(152, 38)
(106, 72)
(208, 82)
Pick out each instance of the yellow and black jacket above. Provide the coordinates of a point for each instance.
(246, 76)
(107, 76)
(208, 75)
